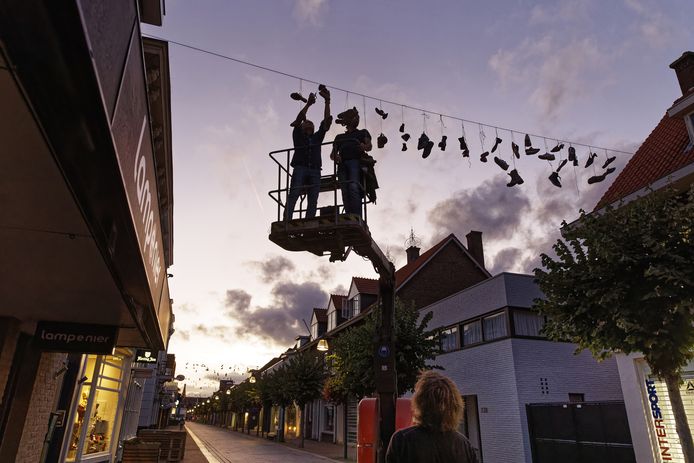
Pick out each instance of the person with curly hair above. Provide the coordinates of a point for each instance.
(437, 410)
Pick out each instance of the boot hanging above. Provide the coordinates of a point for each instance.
(422, 142)
(483, 156)
(514, 148)
(572, 155)
(381, 140)
(402, 128)
(427, 149)
(405, 136)
(442, 143)
(404, 147)
(515, 179)
(496, 144)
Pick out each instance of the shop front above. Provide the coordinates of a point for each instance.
(649, 410)
(92, 430)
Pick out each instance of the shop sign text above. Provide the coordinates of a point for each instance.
(76, 337)
(660, 430)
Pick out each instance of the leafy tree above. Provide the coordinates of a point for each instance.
(305, 378)
(623, 281)
(353, 352)
(277, 384)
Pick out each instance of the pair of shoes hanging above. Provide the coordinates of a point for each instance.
(425, 144)
(529, 150)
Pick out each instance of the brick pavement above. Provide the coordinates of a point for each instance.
(218, 445)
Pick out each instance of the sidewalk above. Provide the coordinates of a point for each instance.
(193, 453)
(326, 449)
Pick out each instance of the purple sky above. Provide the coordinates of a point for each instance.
(584, 70)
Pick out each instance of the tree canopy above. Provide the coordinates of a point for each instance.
(623, 281)
(352, 358)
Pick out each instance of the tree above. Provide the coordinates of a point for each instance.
(305, 378)
(623, 281)
(353, 351)
(276, 383)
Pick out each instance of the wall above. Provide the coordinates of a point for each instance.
(565, 373)
(43, 399)
(487, 371)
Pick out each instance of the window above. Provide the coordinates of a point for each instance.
(472, 333)
(495, 326)
(332, 320)
(449, 339)
(527, 323)
(351, 308)
(314, 330)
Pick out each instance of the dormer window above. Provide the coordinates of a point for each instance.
(689, 119)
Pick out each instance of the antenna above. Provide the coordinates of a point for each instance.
(412, 240)
(306, 325)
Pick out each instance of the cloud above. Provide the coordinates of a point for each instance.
(565, 10)
(555, 74)
(310, 11)
(490, 208)
(281, 320)
(273, 268)
(656, 29)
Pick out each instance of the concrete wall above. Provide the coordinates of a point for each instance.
(43, 400)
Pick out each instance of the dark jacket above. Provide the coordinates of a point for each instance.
(420, 445)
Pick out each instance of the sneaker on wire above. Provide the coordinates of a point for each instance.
(515, 150)
(555, 179)
(501, 163)
(572, 155)
(427, 149)
(547, 157)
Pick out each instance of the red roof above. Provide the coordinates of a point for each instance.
(321, 315)
(402, 274)
(338, 300)
(366, 285)
(659, 156)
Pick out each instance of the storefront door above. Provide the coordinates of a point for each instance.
(95, 417)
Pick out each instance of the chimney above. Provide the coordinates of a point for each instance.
(474, 245)
(412, 254)
(684, 68)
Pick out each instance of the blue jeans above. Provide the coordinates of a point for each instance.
(303, 179)
(349, 175)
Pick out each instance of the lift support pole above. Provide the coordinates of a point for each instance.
(386, 378)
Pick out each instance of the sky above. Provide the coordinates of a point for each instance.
(588, 71)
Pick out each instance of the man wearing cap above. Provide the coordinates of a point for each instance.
(348, 150)
(307, 156)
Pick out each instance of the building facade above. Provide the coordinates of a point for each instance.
(86, 223)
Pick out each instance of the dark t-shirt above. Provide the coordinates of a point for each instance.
(303, 154)
(347, 143)
(419, 445)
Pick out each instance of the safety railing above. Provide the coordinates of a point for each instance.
(328, 183)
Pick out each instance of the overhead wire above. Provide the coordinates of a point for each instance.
(365, 96)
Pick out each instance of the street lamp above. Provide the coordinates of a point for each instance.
(228, 391)
(322, 345)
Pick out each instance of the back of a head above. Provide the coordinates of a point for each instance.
(436, 403)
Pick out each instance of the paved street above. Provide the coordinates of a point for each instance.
(224, 446)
